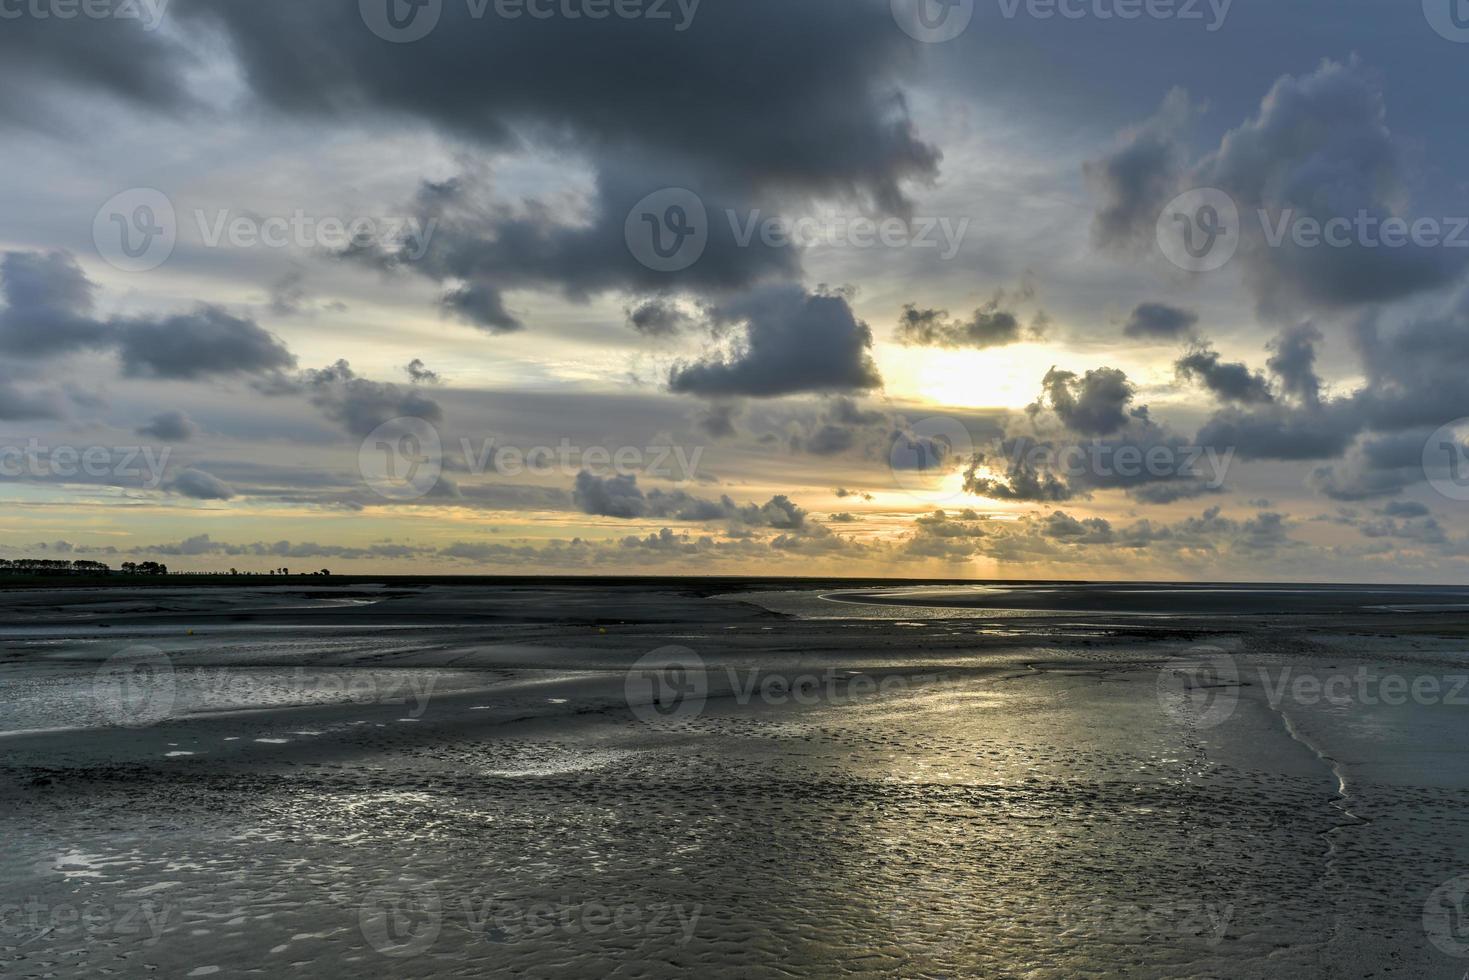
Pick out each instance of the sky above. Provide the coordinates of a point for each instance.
(1018, 289)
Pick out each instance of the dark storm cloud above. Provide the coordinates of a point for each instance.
(48, 312)
(1417, 380)
(1418, 370)
(1317, 148)
(620, 496)
(1139, 175)
(1095, 404)
(1320, 147)
(1160, 321)
(481, 246)
(821, 118)
(792, 342)
(1228, 381)
(208, 341)
(117, 58)
(419, 373)
(48, 306)
(173, 426)
(1283, 431)
(658, 317)
(821, 114)
(1378, 466)
(1293, 361)
(481, 305)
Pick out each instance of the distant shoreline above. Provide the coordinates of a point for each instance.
(700, 584)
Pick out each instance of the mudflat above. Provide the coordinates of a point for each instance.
(642, 779)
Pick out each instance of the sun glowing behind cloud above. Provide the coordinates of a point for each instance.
(1007, 377)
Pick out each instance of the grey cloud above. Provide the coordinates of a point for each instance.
(620, 496)
(1318, 147)
(1094, 404)
(48, 306)
(173, 426)
(49, 312)
(1140, 174)
(112, 58)
(658, 317)
(1229, 382)
(481, 305)
(823, 115)
(208, 341)
(1293, 361)
(793, 342)
(718, 420)
(198, 485)
(1160, 321)
(419, 373)
(357, 404)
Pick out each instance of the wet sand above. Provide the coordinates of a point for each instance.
(828, 780)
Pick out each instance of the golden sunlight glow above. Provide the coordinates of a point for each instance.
(1005, 377)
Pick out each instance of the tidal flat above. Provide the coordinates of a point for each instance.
(743, 779)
